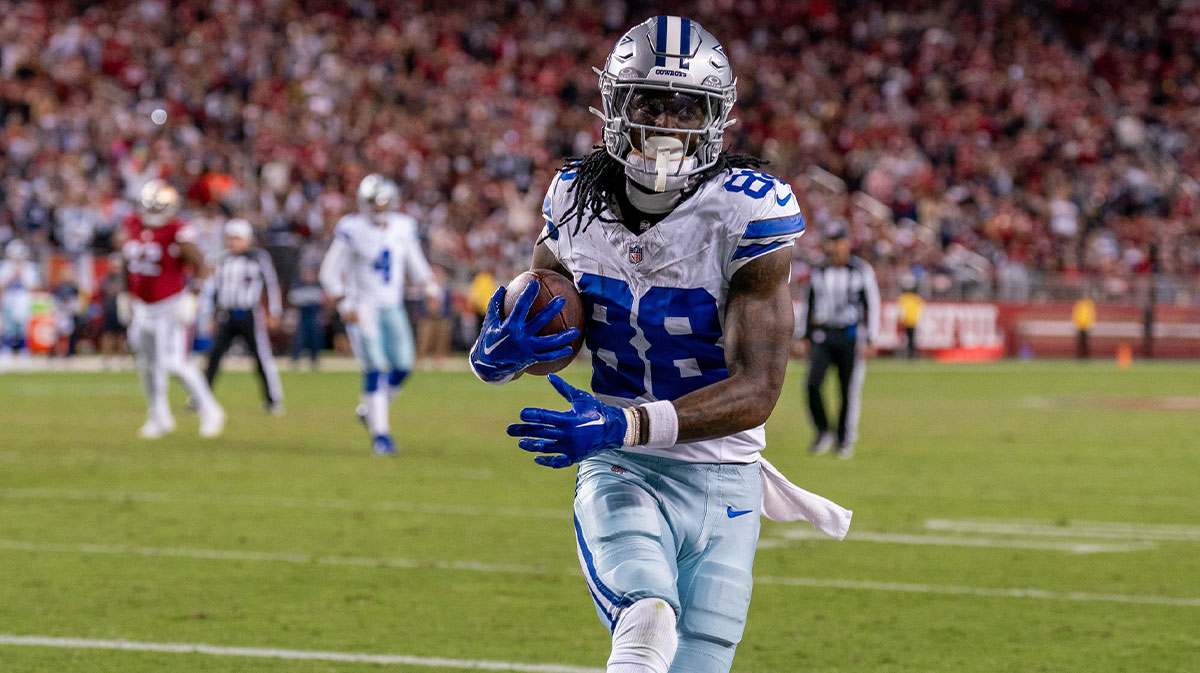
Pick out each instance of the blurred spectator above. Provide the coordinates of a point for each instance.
(112, 326)
(1083, 314)
(434, 330)
(305, 295)
(911, 305)
(19, 279)
(480, 292)
(68, 319)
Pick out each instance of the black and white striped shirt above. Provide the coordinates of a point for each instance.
(843, 296)
(238, 281)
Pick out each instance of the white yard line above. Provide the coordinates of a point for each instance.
(278, 557)
(1109, 530)
(979, 591)
(235, 500)
(479, 566)
(275, 653)
(955, 541)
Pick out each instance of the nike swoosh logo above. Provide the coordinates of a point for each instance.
(733, 513)
(487, 350)
(785, 201)
(598, 421)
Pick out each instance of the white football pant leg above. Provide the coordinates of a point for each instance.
(144, 359)
(172, 343)
(147, 353)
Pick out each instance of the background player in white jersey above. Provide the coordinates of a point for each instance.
(681, 253)
(19, 279)
(372, 253)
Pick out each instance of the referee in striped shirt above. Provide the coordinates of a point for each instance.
(240, 275)
(840, 327)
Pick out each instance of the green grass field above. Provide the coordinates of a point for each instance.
(1008, 517)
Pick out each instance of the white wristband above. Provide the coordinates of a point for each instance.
(664, 424)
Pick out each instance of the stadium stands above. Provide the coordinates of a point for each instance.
(993, 150)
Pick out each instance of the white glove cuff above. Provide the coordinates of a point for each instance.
(664, 424)
(496, 382)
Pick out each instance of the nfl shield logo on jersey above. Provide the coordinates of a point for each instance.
(635, 254)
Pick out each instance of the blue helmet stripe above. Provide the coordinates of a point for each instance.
(685, 42)
(660, 42)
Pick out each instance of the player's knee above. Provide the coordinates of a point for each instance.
(644, 639)
(696, 655)
(717, 603)
(396, 377)
(371, 381)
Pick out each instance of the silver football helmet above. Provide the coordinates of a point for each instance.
(158, 202)
(377, 194)
(668, 90)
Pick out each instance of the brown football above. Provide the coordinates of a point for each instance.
(553, 284)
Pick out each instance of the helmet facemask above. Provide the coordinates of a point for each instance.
(667, 89)
(663, 134)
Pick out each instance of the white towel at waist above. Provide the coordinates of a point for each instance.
(784, 501)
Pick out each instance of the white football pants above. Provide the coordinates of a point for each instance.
(158, 340)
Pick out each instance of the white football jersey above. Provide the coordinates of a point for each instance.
(367, 263)
(655, 302)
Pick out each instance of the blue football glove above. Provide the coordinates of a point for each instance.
(590, 427)
(509, 345)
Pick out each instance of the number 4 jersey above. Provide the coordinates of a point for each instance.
(655, 302)
(367, 262)
(154, 269)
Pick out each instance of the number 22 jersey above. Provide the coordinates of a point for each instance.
(154, 269)
(655, 302)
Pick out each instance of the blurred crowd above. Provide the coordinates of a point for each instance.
(995, 149)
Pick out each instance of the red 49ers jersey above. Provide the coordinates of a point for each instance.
(153, 265)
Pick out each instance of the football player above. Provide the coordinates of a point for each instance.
(159, 254)
(364, 272)
(19, 279)
(681, 253)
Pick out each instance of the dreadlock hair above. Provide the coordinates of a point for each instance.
(600, 176)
